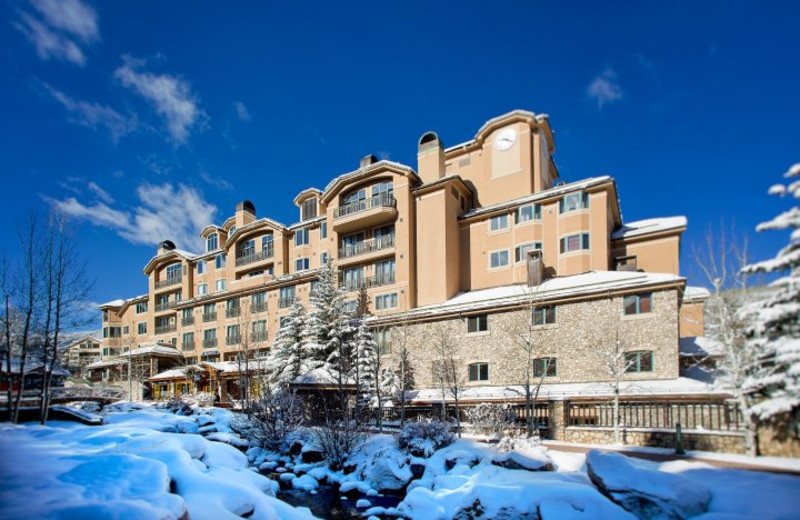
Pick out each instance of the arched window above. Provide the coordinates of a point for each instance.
(212, 242)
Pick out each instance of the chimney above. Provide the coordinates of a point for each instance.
(430, 157)
(535, 268)
(367, 160)
(165, 246)
(245, 213)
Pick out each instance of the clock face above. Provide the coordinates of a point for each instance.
(505, 139)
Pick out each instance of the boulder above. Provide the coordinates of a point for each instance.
(516, 460)
(311, 456)
(387, 471)
(639, 487)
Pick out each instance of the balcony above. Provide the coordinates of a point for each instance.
(285, 302)
(259, 336)
(186, 322)
(366, 283)
(258, 307)
(188, 345)
(209, 342)
(364, 213)
(366, 247)
(166, 329)
(168, 282)
(232, 340)
(165, 306)
(251, 258)
(209, 316)
(233, 312)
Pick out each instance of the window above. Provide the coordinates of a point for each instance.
(188, 340)
(126, 330)
(266, 244)
(477, 323)
(114, 332)
(259, 330)
(212, 242)
(522, 250)
(385, 271)
(498, 259)
(323, 259)
(301, 237)
(385, 190)
(301, 264)
(174, 272)
(573, 202)
(105, 332)
(528, 213)
(221, 285)
(323, 230)
(574, 242)
(499, 222)
(232, 334)
(544, 367)
(479, 372)
(142, 328)
(544, 315)
(105, 315)
(258, 301)
(641, 361)
(222, 260)
(355, 197)
(201, 266)
(308, 209)
(381, 339)
(285, 297)
(350, 306)
(638, 303)
(141, 307)
(231, 230)
(386, 301)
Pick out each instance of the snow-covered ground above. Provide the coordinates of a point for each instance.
(146, 462)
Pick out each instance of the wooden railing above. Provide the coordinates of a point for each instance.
(719, 416)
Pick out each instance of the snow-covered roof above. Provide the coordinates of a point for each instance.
(693, 292)
(32, 366)
(173, 373)
(234, 366)
(162, 349)
(544, 194)
(113, 303)
(102, 364)
(554, 288)
(559, 391)
(320, 376)
(648, 226)
(701, 346)
(347, 176)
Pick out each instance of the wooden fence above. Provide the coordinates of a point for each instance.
(721, 416)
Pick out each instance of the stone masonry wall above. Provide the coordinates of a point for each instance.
(581, 330)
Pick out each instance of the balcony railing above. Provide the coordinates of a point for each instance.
(188, 345)
(232, 340)
(209, 316)
(367, 246)
(165, 306)
(285, 302)
(259, 307)
(233, 312)
(185, 322)
(366, 283)
(380, 201)
(256, 256)
(164, 329)
(172, 280)
(209, 342)
(259, 336)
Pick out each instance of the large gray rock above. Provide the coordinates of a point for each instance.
(388, 470)
(639, 487)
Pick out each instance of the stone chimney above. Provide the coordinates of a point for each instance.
(367, 160)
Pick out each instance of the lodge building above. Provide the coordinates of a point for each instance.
(465, 242)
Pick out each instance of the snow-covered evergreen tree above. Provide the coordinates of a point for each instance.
(776, 318)
(287, 359)
(327, 325)
(389, 386)
(364, 364)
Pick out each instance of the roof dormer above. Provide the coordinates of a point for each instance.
(308, 202)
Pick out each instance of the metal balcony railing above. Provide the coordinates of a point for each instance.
(185, 322)
(256, 256)
(259, 336)
(367, 246)
(366, 283)
(285, 302)
(164, 329)
(172, 280)
(209, 316)
(209, 342)
(233, 312)
(165, 306)
(379, 201)
(188, 345)
(259, 307)
(232, 340)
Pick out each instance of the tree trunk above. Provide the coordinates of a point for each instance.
(616, 414)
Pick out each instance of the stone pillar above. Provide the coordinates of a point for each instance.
(557, 421)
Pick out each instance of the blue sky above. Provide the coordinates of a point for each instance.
(162, 115)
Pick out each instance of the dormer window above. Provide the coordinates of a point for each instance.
(574, 202)
(212, 242)
(308, 209)
(232, 229)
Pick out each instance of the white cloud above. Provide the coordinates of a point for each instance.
(604, 88)
(61, 29)
(94, 115)
(170, 95)
(165, 212)
(217, 182)
(241, 111)
(100, 193)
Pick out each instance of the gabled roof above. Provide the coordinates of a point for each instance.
(648, 227)
(496, 122)
(355, 174)
(250, 226)
(305, 194)
(172, 253)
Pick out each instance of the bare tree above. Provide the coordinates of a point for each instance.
(617, 364)
(401, 346)
(526, 336)
(447, 369)
(722, 260)
(5, 287)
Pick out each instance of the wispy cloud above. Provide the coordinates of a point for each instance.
(604, 88)
(61, 29)
(94, 115)
(171, 97)
(165, 211)
(100, 193)
(156, 165)
(241, 111)
(217, 182)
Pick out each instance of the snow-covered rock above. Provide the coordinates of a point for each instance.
(363, 504)
(388, 470)
(304, 482)
(642, 489)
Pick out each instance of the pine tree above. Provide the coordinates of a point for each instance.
(365, 367)
(287, 358)
(776, 333)
(389, 386)
(327, 326)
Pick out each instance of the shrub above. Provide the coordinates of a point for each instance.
(274, 418)
(338, 441)
(422, 438)
(494, 420)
